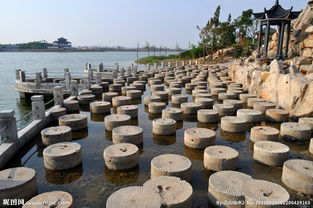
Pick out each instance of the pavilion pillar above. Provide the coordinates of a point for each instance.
(260, 38)
(281, 41)
(287, 41)
(266, 41)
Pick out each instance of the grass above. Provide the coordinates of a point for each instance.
(156, 59)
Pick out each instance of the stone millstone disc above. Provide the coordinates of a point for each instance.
(127, 134)
(75, 121)
(62, 156)
(295, 131)
(121, 156)
(134, 197)
(171, 165)
(173, 191)
(264, 133)
(56, 134)
(219, 158)
(227, 186)
(115, 120)
(270, 153)
(258, 193)
(298, 175)
(199, 138)
(58, 199)
(17, 183)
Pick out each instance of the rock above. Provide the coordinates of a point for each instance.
(263, 194)
(275, 67)
(311, 147)
(171, 165)
(298, 175)
(309, 29)
(225, 186)
(173, 191)
(308, 43)
(307, 52)
(135, 197)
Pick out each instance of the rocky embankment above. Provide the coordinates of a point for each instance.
(286, 87)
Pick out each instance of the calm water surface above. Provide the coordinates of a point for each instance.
(91, 183)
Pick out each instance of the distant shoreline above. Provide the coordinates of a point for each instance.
(75, 50)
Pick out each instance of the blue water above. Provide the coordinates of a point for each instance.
(55, 62)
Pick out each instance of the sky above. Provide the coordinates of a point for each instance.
(118, 22)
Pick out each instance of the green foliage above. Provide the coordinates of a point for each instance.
(35, 45)
(156, 59)
(195, 52)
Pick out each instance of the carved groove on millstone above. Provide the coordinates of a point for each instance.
(259, 194)
(48, 199)
(134, 196)
(225, 186)
(173, 191)
(298, 175)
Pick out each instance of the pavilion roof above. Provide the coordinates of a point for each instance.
(277, 12)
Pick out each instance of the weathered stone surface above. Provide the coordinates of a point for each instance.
(220, 158)
(56, 134)
(60, 199)
(199, 138)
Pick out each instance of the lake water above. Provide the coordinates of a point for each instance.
(55, 63)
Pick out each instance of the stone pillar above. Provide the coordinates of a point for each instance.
(45, 73)
(196, 62)
(183, 63)
(162, 64)
(38, 79)
(67, 77)
(89, 77)
(86, 66)
(135, 70)
(281, 41)
(22, 76)
(149, 67)
(287, 41)
(266, 41)
(98, 78)
(38, 107)
(190, 62)
(169, 64)
(100, 67)
(260, 38)
(176, 63)
(122, 72)
(74, 88)
(58, 95)
(8, 129)
(17, 74)
(155, 66)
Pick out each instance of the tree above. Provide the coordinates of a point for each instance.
(244, 23)
(147, 46)
(62, 42)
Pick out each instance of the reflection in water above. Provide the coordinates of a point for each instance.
(190, 118)
(136, 101)
(164, 140)
(108, 135)
(122, 177)
(84, 108)
(64, 177)
(233, 137)
(179, 125)
(82, 134)
(97, 117)
(193, 154)
(189, 92)
(114, 110)
(134, 122)
(153, 116)
(212, 126)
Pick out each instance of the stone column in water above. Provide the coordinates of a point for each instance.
(58, 95)
(8, 129)
(74, 88)
(17, 74)
(38, 79)
(155, 66)
(67, 77)
(38, 107)
(22, 76)
(45, 73)
(98, 78)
